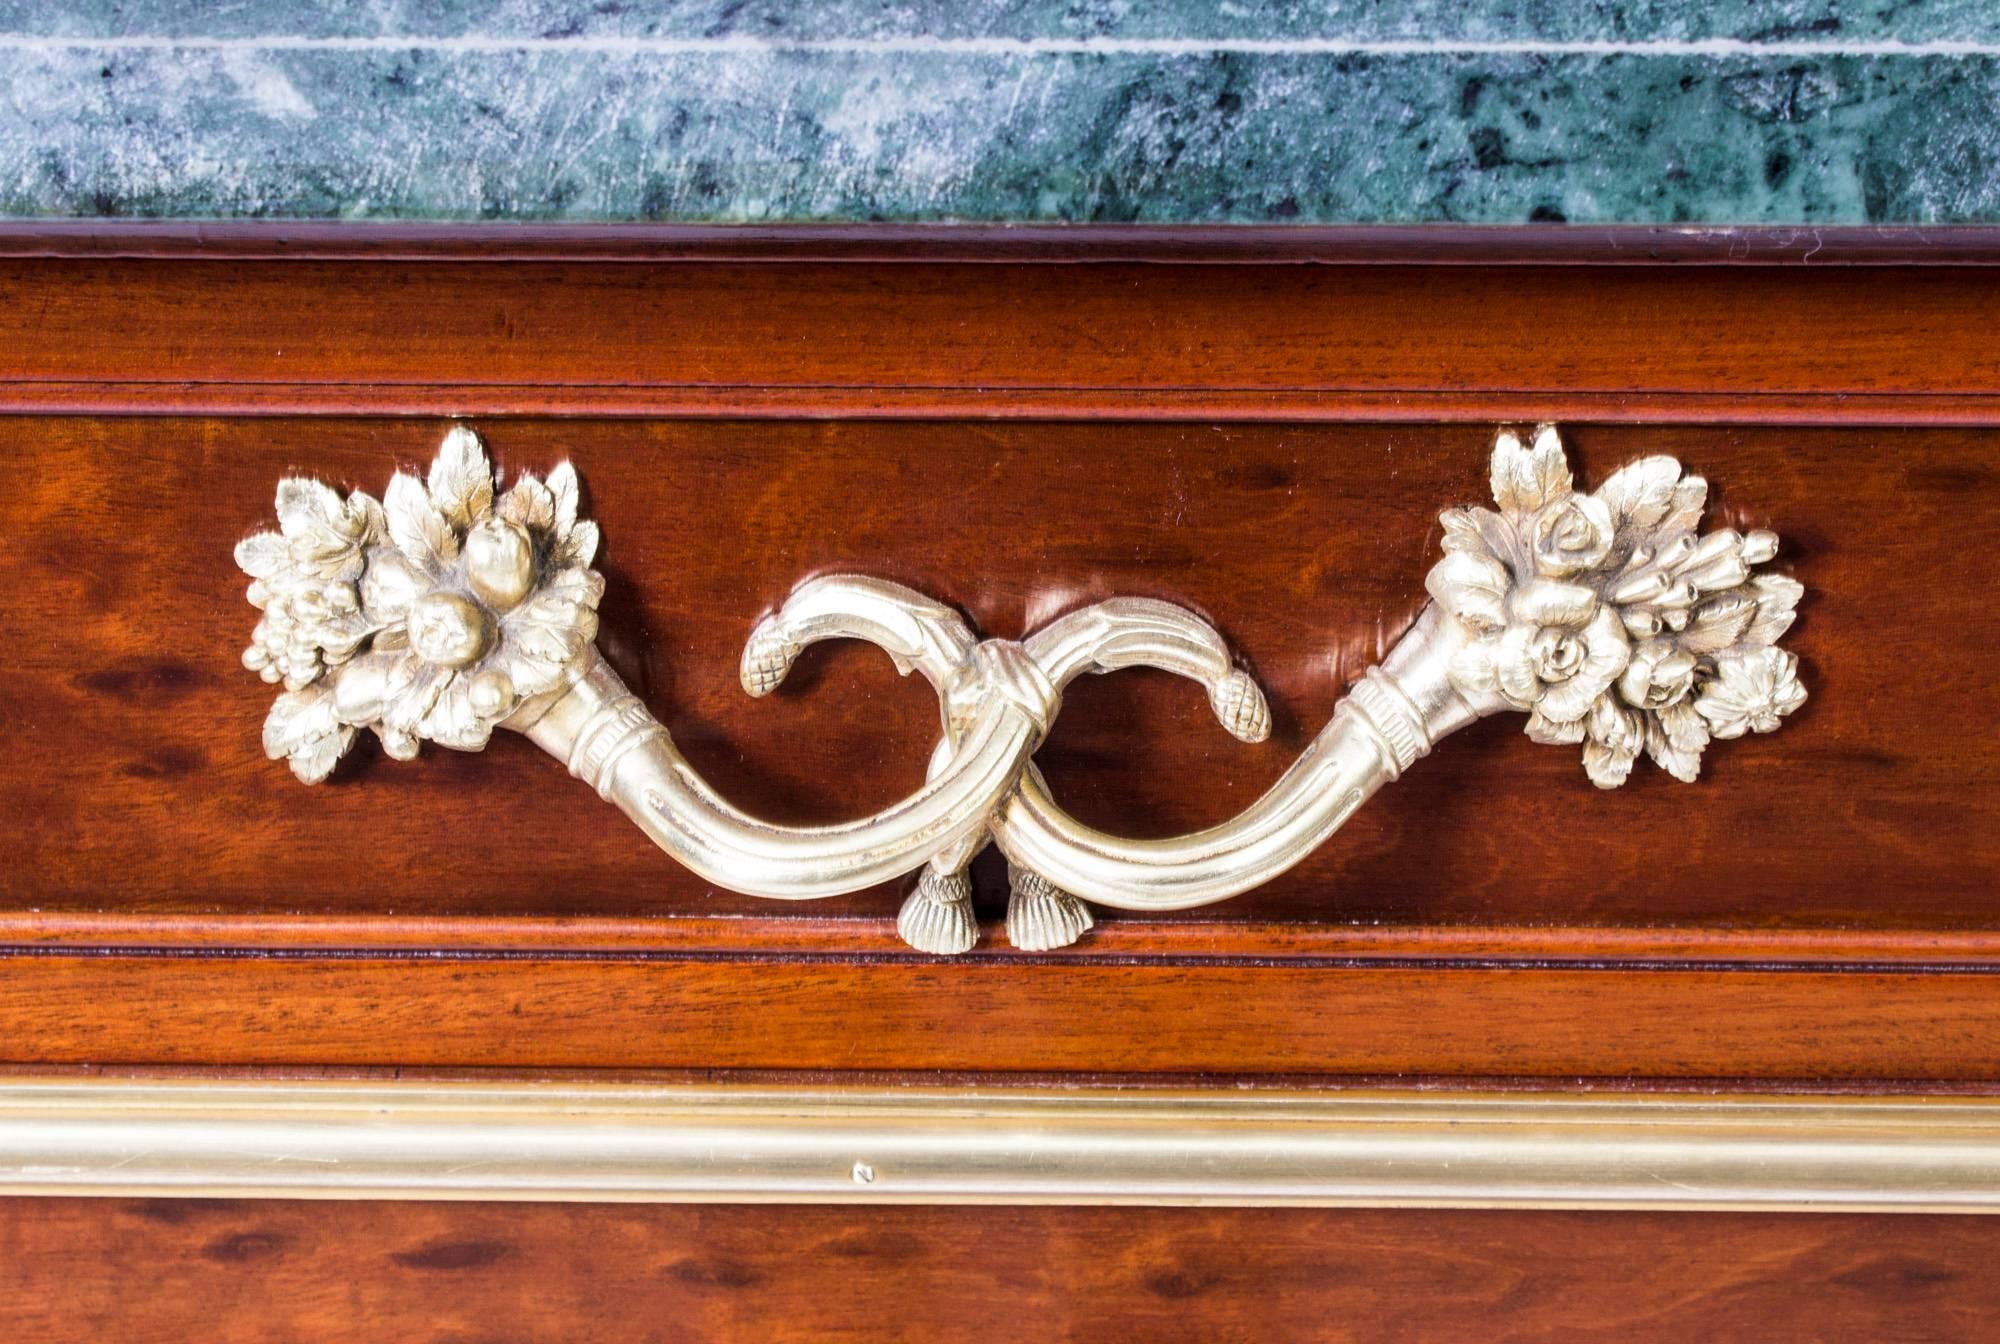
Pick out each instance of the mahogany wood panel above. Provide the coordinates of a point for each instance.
(1051, 1014)
(134, 781)
(1848, 343)
(1819, 908)
(132, 1271)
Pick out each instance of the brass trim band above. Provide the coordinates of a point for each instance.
(1056, 1146)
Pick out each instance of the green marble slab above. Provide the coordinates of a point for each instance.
(1799, 112)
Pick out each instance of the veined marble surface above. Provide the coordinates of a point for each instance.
(1339, 111)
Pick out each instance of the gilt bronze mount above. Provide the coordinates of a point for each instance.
(448, 609)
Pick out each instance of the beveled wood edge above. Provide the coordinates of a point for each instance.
(1234, 244)
(1121, 938)
(865, 401)
(1090, 1145)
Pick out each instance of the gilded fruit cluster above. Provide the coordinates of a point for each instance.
(428, 616)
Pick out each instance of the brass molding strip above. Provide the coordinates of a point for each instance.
(326, 1140)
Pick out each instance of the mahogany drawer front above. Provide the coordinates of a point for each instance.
(216, 980)
(1268, 445)
(1307, 545)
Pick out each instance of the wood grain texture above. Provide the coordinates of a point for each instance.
(1818, 909)
(1050, 1014)
(136, 784)
(936, 338)
(867, 935)
(126, 1271)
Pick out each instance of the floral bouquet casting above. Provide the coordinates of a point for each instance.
(1610, 618)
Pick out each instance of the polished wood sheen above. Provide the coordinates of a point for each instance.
(1307, 545)
(1061, 1014)
(1200, 342)
(252, 1271)
(1262, 426)
(1819, 906)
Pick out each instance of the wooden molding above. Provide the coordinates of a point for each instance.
(1233, 244)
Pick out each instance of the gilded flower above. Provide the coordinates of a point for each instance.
(430, 616)
(1608, 618)
(1660, 674)
(1558, 670)
(1751, 692)
(1572, 534)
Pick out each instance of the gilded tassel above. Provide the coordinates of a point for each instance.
(1042, 917)
(937, 916)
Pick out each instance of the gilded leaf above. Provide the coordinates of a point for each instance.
(538, 655)
(410, 702)
(369, 522)
(1684, 514)
(1479, 532)
(1680, 762)
(419, 531)
(1683, 726)
(263, 555)
(1615, 737)
(531, 672)
(315, 761)
(548, 632)
(303, 728)
(1472, 587)
(306, 506)
(530, 504)
(1461, 532)
(566, 590)
(1526, 478)
(324, 536)
(563, 487)
(1550, 733)
(580, 546)
(452, 722)
(1719, 622)
(1751, 692)
(1612, 725)
(297, 717)
(1640, 493)
(461, 481)
(552, 644)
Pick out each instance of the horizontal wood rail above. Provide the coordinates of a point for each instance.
(1245, 1015)
(106, 319)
